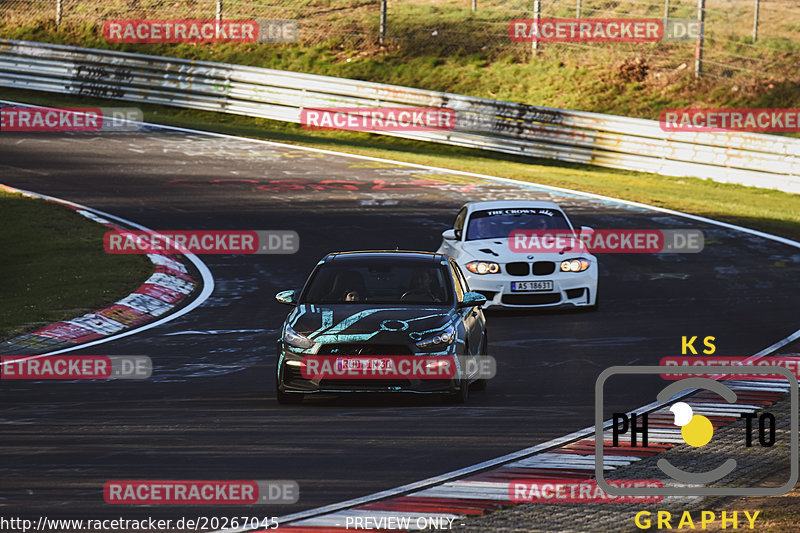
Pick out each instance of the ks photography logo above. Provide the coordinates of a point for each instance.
(696, 430)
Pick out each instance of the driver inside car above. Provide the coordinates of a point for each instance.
(422, 287)
(352, 296)
(348, 287)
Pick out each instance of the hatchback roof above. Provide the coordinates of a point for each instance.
(402, 255)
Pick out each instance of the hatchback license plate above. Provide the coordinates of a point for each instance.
(360, 363)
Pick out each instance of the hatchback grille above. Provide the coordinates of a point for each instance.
(363, 349)
(364, 384)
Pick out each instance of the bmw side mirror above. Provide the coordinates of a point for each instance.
(287, 297)
(472, 299)
(586, 234)
(449, 235)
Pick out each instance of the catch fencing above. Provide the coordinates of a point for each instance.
(753, 39)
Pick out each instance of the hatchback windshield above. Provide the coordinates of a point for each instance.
(499, 223)
(380, 282)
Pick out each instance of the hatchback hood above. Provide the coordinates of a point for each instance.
(391, 324)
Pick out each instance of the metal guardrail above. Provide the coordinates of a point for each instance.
(754, 159)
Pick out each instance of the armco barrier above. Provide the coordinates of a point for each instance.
(755, 159)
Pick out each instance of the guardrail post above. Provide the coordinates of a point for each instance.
(219, 11)
(59, 11)
(537, 12)
(382, 38)
(666, 9)
(698, 50)
(755, 23)
(578, 10)
(474, 5)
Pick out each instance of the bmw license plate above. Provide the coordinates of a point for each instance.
(531, 286)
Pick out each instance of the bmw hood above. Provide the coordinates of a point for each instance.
(391, 324)
(498, 250)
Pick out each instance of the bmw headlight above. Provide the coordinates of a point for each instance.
(292, 338)
(443, 338)
(483, 267)
(575, 265)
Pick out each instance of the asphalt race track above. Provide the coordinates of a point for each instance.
(209, 412)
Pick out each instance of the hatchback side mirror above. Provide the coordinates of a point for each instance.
(287, 297)
(449, 235)
(472, 299)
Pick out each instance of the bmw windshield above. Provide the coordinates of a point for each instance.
(499, 223)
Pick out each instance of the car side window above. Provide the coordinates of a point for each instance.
(458, 224)
(457, 282)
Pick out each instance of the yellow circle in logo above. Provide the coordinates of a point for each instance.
(698, 431)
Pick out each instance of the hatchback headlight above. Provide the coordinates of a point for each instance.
(443, 338)
(575, 265)
(483, 267)
(292, 338)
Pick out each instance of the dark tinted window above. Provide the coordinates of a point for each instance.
(499, 223)
(382, 281)
(458, 224)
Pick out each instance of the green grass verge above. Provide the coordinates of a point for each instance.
(767, 210)
(54, 266)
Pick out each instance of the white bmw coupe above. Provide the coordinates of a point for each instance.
(561, 275)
